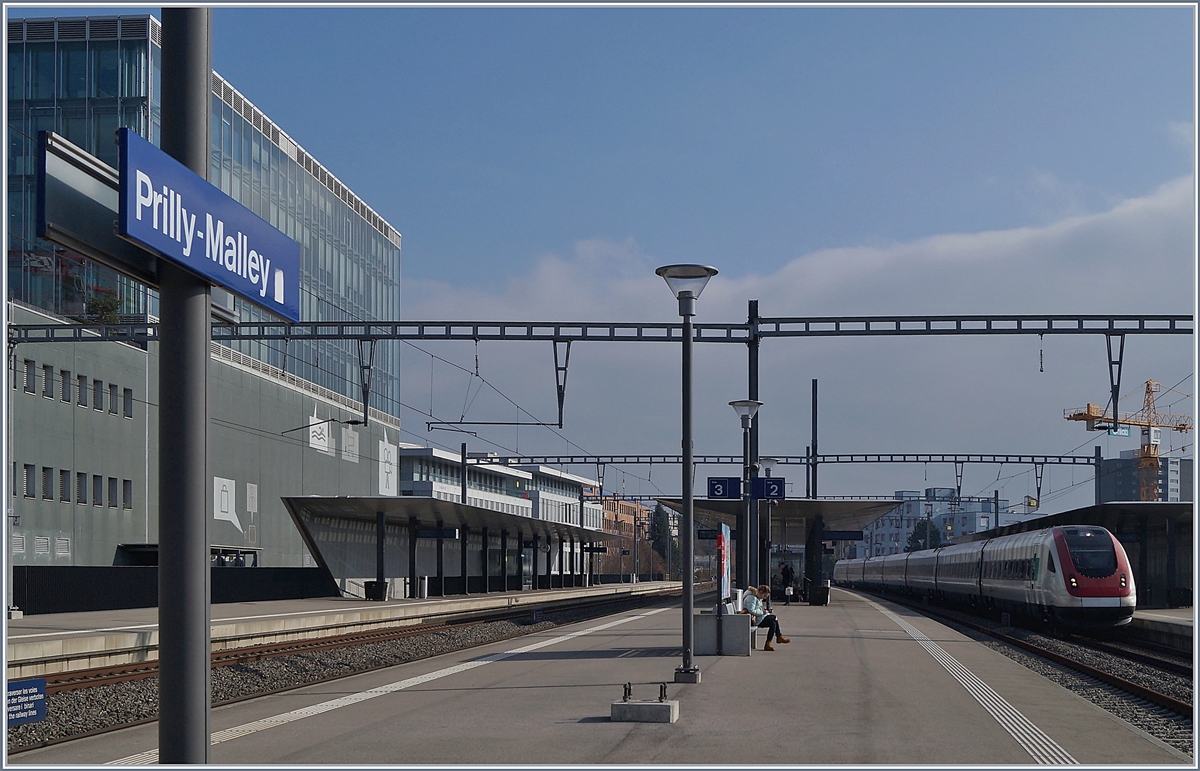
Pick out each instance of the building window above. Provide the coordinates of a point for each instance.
(64, 486)
(47, 483)
(28, 482)
(97, 490)
(30, 375)
(81, 488)
(65, 378)
(127, 493)
(128, 400)
(98, 395)
(48, 381)
(81, 381)
(112, 492)
(113, 390)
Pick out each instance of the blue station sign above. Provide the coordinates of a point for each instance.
(169, 209)
(770, 488)
(724, 487)
(26, 701)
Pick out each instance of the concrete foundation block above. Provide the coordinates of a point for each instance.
(645, 711)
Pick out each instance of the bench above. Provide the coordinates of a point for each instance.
(738, 635)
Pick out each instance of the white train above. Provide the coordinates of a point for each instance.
(1072, 576)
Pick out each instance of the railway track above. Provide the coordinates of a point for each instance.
(1144, 692)
(1150, 654)
(458, 628)
(96, 676)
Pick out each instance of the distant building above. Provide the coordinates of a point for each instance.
(631, 521)
(1120, 481)
(953, 517)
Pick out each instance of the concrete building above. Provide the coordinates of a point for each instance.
(1120, 479)
(84, 417)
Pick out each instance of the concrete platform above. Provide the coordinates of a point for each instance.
(863, 682)
(44, 644)
(1173, 627)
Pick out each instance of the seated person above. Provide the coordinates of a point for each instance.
(752, 604)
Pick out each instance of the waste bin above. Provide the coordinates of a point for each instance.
(422, 587)
(819, 594)
(376, 590)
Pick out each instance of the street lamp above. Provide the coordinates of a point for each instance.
(686, 283)
(746, 409)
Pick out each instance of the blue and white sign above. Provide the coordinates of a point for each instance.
(724, 487)
(1119, 431)
(169, 209)
(771, 488)
(26, 701)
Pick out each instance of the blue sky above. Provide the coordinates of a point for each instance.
(541, 162)
(736, 137)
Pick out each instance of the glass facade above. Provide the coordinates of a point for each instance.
(84, 77)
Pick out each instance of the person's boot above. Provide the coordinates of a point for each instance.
(784, 640)
(768, 647)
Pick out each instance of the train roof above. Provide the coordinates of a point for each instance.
(1114, 516)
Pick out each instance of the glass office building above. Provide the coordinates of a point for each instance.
(83, 78)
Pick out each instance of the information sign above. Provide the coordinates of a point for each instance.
(724, 487)
(769, 487)
(26, 701)
(172, 211)
(1119, 431)
(723, 544)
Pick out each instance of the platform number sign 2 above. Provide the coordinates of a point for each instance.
(769, 487)
(724, 487)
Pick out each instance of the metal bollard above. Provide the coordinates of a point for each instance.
(662, 692)
(628, 692)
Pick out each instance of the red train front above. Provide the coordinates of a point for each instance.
(1095, 586)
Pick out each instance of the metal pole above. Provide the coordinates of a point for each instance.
(813, 465)
(184, 333)
(463, 475)
(689, 672)
(745, 540)
(757, 573)
(808, 472)
(380, 536)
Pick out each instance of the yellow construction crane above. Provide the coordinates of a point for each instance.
(1151, 421)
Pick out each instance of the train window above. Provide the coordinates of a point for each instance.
(1050, 563)
(1092, 552)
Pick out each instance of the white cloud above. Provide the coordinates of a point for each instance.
(948, 394)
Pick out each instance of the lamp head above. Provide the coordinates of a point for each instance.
(766, 464)
(746, 410)
(686, 283)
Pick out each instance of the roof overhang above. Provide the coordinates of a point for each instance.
(1116, 516)
(793, 515)
(429, 512)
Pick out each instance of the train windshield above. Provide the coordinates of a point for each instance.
(1092, 551)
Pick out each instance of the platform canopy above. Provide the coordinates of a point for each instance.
(428, 512)
(790, 518)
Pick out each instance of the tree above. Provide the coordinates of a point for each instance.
(925, 535)
(660, 537)
(104, 307)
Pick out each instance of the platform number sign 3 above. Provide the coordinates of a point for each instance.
(724, 487)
